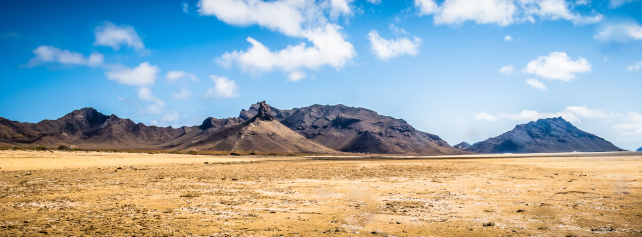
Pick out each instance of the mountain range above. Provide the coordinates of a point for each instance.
(261, 128)
(543, 136)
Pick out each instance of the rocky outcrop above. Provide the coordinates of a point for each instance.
(544, 135)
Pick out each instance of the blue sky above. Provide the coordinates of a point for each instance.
(465, 70)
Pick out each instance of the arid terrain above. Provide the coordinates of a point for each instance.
(104, 193)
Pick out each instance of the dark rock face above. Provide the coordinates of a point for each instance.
(639, 149)
(544, 135)
(462, 145)
(264, 112)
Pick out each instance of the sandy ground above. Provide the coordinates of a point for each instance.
(65, 193)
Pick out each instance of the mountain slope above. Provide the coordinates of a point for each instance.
(544, 135)
(639, 149)
(462, 145)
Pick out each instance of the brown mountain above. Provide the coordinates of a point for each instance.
(352, 129)
(261, 133)
(311, 129)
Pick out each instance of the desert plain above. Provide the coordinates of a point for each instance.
(139, 194)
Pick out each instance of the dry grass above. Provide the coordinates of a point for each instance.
(166, 195)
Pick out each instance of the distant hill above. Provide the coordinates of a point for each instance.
(312, 129)
(639, 149)
(544, 135)
(462, 145)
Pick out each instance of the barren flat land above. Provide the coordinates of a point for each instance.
(103, 193)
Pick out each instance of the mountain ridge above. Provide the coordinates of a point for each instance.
(337, 127)
(544, 135)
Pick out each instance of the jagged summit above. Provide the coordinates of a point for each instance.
(264, 112)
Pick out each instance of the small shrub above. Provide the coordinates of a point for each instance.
(174, 152)
(40, 148)
(63, 148)
(235, 154)
(192, 152)
(16, 148)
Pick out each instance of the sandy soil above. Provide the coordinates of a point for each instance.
(64, 193)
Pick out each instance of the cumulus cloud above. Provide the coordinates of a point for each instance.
(555, 10)
(223, 88)
(558, 66)
(51, 54)
(621, 33)
(636, 66)
(376, 2)
(114, 36)
(329, 48)
(143, 75)
(426, 7)
(170, 117)
(183, 94)
(508, 38)
(295, 18)
(485, 116)
(173, 76)
(507, 70)
(501, 12)
(536, 84)
(385, 49)
(297, 75)
(630, 128)
(157, 105)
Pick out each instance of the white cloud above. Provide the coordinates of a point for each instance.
(297, 76)
(143, 75)
(630, 128)
(557, 65)
(183, 94)
(170, 117)
(385, 49)
(619, 3)
(536, 84)
(396, 29)
(500, 12)
(636, 66)
(173, 76)
(426, 7)
(295, 18)
(157, 105)
(376, 2)
(508, 69)
(285, 16)
(573, 114)
(223, 88)
(485, 116)
(340, 7)
(46, 53)
(620, 33)
(555, 10)
(114, 36)
(185, 7)
(508, 38)
(329, 48)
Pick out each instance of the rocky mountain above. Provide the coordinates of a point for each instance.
(462, 145)
(88, 128)
(544, 135)
(313, 129)
(361, 130)
(261, 133)
(639, 149)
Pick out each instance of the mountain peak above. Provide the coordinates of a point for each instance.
(264, 112)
